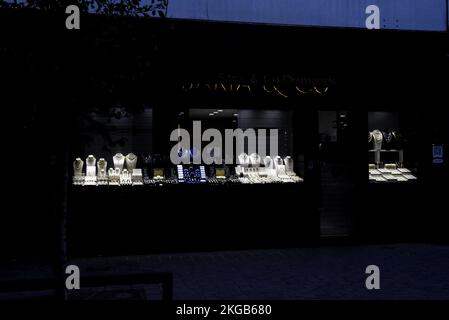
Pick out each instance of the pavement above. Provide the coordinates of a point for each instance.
(407, 271)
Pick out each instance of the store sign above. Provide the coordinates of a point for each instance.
(276, 85)
(428, 15)
(437, 154)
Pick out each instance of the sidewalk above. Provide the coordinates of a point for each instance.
(408, 271)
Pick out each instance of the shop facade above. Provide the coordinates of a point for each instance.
(103, 116)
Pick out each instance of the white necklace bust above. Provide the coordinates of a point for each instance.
(268, 162)
(78, 167)
(90, 160)
(90, 166)
(102, 165)
(254, 160)
(243, 159)
(378, 137)
(278, 161)
(288, 161)
(131, 161)
(119, 161)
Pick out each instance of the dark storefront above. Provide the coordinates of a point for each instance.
(121, 85)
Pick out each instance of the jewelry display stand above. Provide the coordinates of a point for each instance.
(243, 160)
(147, 161)
(131, 161)
(119, 161)
(254, 160)
(378, 137)
(114, 177)
(388, 172)
(125, 178)
(249, 171)
(91, 174)
(102, 177)
(289, 169)
(268, 162)
(78, 175)
(137, 177)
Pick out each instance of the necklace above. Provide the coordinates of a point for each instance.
(267, 161)
(78, 163)
(90, 160)
(102, 164)
(243, 159)
(131, 161)
(255, 159)
(377, 135)
(119, 161)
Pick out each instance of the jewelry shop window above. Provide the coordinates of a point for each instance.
(392, 147)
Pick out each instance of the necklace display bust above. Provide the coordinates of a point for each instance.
(102, 166)
(370, 140)
(278, 161)
(90, 166)
(378, 137)
(78, 167)
(288, 161)
(90, 160)
(389, 140)
(119, 161)
(131, 161)
(268, 162)
(254, 160)
(243, 159)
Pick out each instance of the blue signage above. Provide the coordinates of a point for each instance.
(422, 15)
(437, 154)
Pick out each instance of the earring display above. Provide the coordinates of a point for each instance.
(114, 177)
(125, 178)
(273, 171)
(137, 177)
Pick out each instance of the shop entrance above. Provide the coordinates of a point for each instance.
(336, 173)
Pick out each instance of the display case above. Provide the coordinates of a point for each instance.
(250, 147)
(391, 148)
(168, 179)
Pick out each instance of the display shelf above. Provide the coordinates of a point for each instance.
(377, 154)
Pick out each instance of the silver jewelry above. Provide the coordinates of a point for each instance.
(90, 160)
(90, 166)
(378, 137)
(254, 160)
(131, 161)
(102, 164)
(288, 161)
(78, 167)
(119, 161)
(243, 159)
(268, 162)
(278, 161)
